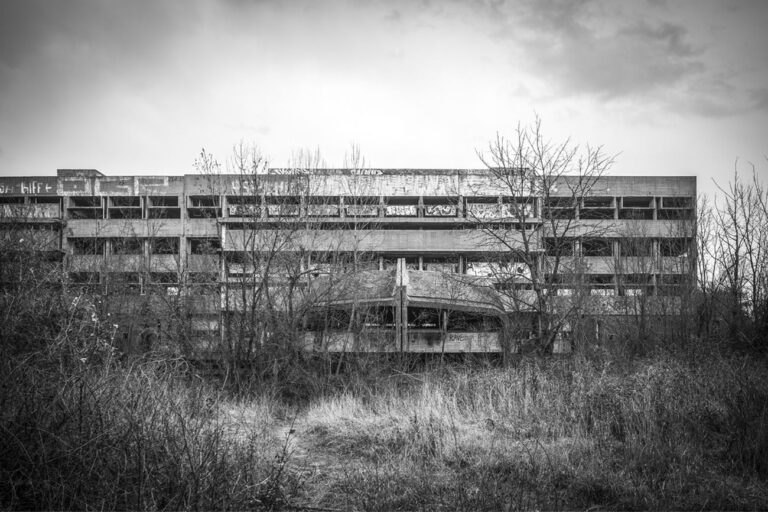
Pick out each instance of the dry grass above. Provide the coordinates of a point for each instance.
(555, 434)
(668, 431)
(142, 437)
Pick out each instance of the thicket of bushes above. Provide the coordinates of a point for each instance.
(140, 436)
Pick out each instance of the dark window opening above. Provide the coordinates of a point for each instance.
(244, 206)
(84, 277)
(423, 318)
(637, 202)
(598, 202)
(202, 283)
(204, 201)
(85, 202)
(164, 207)
(164, 277)
(596, 214)
(125, 213)
(204, 245)
(166, 245)
(94, 246)
(636, 214)
(204, 207)
(596, 247)
(513, 285)
(677, 202)
(201, 278)
(635, 284)
(85, 280)
(389, 263)
(561, 213)
(164, 201)
(380, 317)
(636, 247)
(125, 201)
(559, 202)
(124, 207)
(672, 284)
(128, 246)
(412, 263)
(675, 214)
(128, 283)
(560, 207)
(636, 279)
(45, 199)
(85, 207)
(674, 246)
(440, 264)
(599, 279)
(466, 321)
(332, 319)
(558, 246)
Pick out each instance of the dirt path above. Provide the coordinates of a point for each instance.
(314, 467)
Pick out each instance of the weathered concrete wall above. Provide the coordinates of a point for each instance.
(403, 241)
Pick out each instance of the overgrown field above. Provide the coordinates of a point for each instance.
(671, 431)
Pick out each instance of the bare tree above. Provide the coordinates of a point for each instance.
(286, 266)
(544, 184)
(737, 257)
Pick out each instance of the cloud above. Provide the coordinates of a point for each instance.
(589, 48)
(655, 52)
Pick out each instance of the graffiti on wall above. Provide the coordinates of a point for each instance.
(440, 210)
(28, 187)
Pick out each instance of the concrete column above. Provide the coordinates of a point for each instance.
(401, 305)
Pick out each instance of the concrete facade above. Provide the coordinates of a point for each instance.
(445, 257)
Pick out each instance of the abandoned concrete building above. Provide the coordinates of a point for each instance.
(375, 260)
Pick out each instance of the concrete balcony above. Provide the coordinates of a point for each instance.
(647, 305)
(623, 265)
(125, 263)
(617, 228)
(31, 239)
(201, 227)
(203, 263)
(85, 262)
(30, 212)
(140, 228)
(164, 263)
(403, 241)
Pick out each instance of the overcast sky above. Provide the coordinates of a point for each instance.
(132, 87)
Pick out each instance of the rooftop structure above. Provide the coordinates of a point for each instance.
(360, 260)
